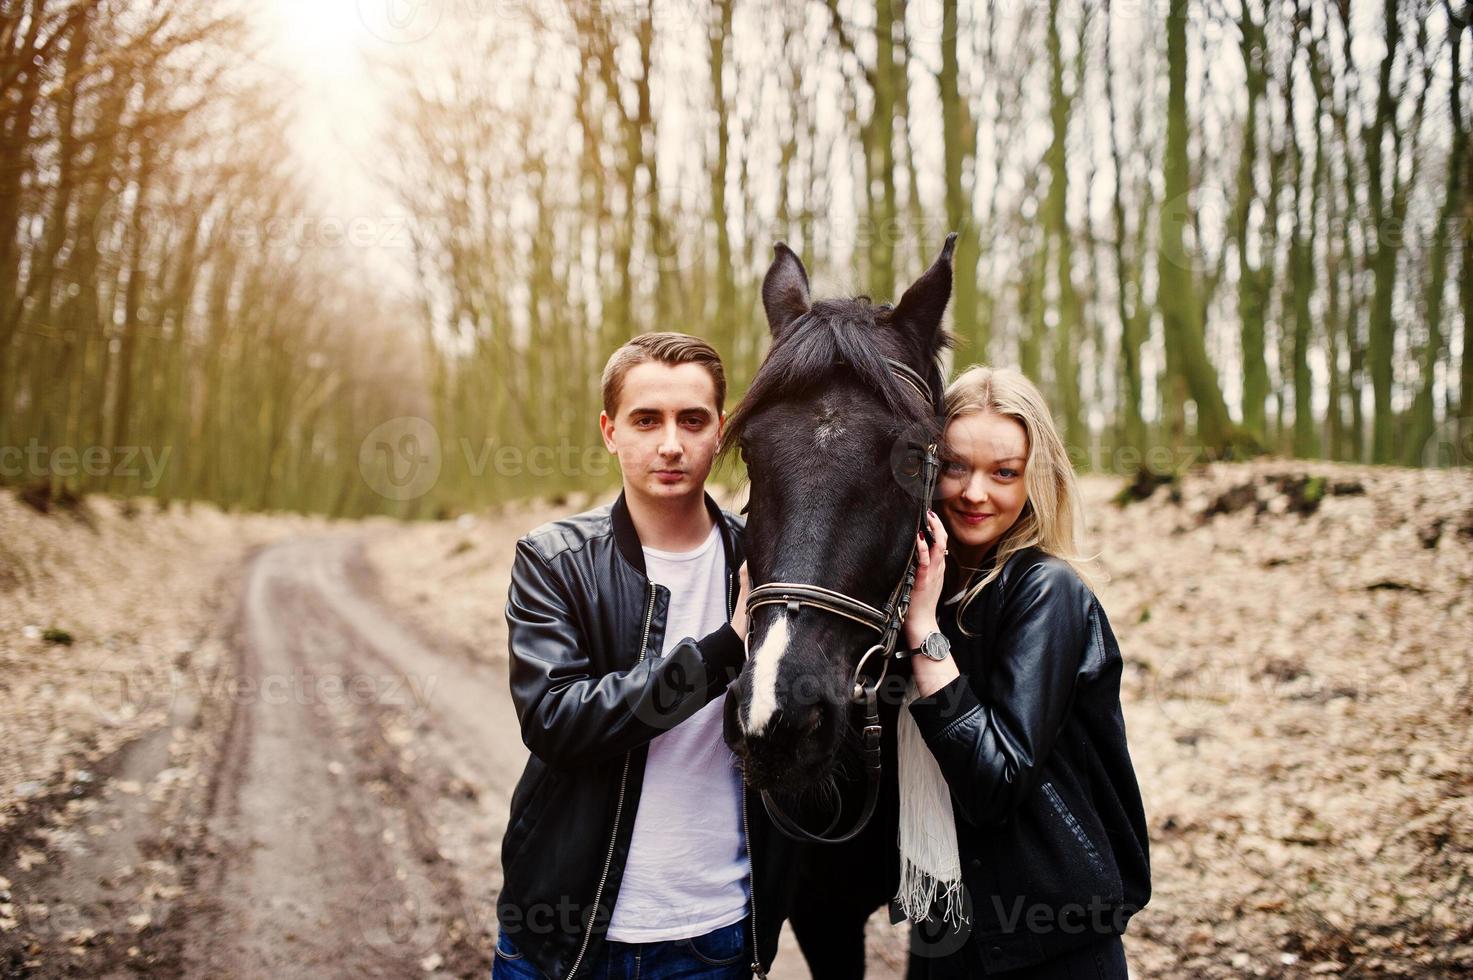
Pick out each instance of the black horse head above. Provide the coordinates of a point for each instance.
(832, 436)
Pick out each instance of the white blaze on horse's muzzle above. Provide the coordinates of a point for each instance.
(762, 702)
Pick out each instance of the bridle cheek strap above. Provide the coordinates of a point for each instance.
(887, 622)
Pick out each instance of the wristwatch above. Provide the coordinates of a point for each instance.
(934, 647)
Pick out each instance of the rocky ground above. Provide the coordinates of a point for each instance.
(1299, 655)
(268, 745)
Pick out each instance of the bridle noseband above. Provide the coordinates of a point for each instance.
(887, 622)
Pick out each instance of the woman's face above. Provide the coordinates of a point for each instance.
(982, 487)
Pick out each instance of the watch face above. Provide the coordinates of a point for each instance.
(936, 646)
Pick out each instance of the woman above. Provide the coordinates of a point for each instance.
(1022, 713)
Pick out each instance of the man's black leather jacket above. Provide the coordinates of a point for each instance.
(1031, 741)
(586, 627)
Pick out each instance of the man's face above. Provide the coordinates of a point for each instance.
(665, 429)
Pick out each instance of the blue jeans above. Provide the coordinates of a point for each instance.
(721, 954)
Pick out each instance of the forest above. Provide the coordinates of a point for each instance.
(1209, 230)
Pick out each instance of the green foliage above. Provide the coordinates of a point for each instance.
(146, 308)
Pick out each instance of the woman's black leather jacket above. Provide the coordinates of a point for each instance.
(1031, 741)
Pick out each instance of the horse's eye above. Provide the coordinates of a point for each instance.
(910, 466)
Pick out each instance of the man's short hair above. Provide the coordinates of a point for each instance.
(667, 348)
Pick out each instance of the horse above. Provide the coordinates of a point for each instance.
(838, 431)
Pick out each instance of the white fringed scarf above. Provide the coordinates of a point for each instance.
(930, 865)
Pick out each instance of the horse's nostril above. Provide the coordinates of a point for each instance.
(731, 728)
(809, 720)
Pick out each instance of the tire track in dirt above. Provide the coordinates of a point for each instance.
(361, 793)
(296, 843)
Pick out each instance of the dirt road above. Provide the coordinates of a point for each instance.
(363, 790)
(349, 817)
(328, 801)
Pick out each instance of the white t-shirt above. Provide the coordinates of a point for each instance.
(687, 868)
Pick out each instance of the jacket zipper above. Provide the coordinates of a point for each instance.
(649, 615)
(752, 888)
(747, 838)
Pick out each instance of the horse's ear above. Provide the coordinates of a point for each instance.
(924, 303)
(784, 290)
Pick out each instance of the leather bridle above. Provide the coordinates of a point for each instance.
(887, 622)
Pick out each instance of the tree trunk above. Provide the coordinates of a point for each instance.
(884, 230)
(959, 147)
(1177, 290)
(22, 77)
(1423, 420)
(1384, 251)
(719, 35)
(1306, 437)
(1252, 296)
(1131, 425)
(1067, 333)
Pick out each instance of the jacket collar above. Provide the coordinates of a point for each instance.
(627, 538)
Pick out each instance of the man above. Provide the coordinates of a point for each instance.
(632, 846)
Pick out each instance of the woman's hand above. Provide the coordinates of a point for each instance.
(920, 620)
(739, 614)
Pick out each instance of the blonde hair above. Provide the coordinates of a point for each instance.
(1052, 519)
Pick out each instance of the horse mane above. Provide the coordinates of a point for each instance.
(840, 335)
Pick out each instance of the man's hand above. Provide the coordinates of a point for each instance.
(739, 614)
